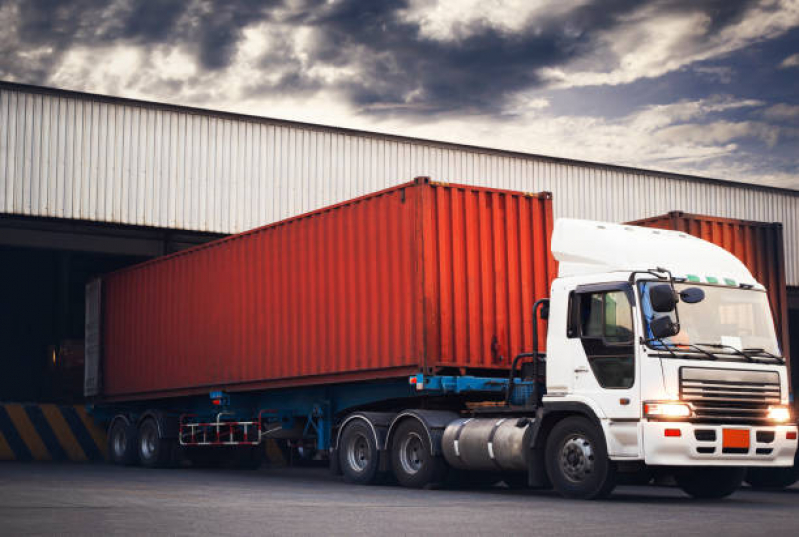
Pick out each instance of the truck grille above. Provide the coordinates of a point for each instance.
(729, 395)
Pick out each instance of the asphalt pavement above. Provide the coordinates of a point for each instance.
(102, 499)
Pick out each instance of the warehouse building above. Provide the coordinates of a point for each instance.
(90, 183)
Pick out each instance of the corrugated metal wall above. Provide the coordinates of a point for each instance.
(94, 158)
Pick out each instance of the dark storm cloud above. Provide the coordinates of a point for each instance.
(400, 69)
(210, 29)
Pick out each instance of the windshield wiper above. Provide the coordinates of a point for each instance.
(756, 350)
(739, 352)
(670, 346)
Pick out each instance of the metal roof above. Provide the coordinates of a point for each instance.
(67, 154)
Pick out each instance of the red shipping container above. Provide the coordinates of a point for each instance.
(424, 277)
(759, 246)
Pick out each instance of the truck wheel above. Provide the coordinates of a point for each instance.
(154, 451)
(413, 464)
(577, 461)
(774, 478)
(358, 454)
(709, 483)
(122, 443)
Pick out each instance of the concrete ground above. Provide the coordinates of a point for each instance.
(103, 499)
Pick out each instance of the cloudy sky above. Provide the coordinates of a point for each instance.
(707, 87)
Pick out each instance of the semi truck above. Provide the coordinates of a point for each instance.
(438, 333)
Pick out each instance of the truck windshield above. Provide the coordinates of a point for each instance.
(729, 321)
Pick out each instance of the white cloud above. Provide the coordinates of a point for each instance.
(782, 112)
(790, 61)
(651, 44)
(449, 20)
(719, 132)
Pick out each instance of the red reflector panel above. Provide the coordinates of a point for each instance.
(735, 438)
(672, 432)
(791, 435)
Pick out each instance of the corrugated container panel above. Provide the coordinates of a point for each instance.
(759, 246)
(419, 277)
(67, 155)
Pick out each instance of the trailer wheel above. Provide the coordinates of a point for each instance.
(413, 464)
(154, 451)
(577, 461)
(358, 454)
(122, 443)
(709, 483)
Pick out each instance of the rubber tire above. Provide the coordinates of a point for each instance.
(774, 478)
(601, 482)
(130, 455)
(709, 482)
(162, 453)
(434, 468)
(370, 474)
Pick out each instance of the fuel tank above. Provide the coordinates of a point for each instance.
(488, 444)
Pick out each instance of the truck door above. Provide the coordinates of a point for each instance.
(601, 316)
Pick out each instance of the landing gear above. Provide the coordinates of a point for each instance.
(577, 461)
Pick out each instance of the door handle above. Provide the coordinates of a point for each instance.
(581, 369)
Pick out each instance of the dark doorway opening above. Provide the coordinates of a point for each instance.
(44, 267)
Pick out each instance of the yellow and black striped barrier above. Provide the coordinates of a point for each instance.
(30, 432)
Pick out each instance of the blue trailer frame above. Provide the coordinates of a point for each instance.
(319, 407)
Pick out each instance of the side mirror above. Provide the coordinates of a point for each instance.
(544, 311)
(663, 298)
(692, 295)
(663, 327)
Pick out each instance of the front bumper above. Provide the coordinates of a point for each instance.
(702, 445)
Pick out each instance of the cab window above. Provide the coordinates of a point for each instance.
(605, 322)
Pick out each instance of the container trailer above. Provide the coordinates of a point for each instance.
(446, 333)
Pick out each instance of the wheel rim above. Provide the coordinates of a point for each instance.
(148, 440)
(411, 453)
(577, 458)
(359, 454)
(120, 443)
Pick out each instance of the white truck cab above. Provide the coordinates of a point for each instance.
(670, 341)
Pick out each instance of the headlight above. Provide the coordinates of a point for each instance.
(667, 410)
(780, 414)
